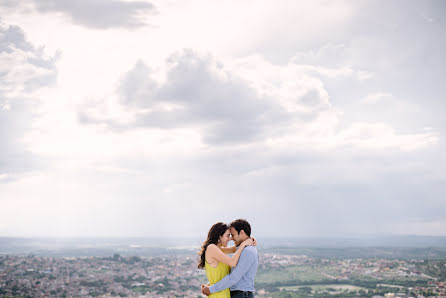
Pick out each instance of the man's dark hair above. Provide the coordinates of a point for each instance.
(241, 224)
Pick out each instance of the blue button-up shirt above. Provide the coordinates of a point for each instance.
(242, 276)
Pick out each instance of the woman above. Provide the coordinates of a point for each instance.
(213, 255)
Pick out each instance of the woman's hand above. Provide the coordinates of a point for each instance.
(247, 242)
(254, 241)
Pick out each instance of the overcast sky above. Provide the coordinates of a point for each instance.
(159, 118)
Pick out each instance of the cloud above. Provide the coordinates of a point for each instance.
(243, 101)
(329, 55)
(23, 71)
(8, 7)
(100, 14)
(198, 92)
(290, 140)
(376, 97)
(331, 61)
(201, 92)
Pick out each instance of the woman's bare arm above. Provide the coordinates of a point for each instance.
(217, 254)
(233, 249)
(229, 250)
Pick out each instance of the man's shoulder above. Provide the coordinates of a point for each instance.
(250, 251)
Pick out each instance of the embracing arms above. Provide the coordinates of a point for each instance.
(245, 264)
(233, 249)
(214, 253)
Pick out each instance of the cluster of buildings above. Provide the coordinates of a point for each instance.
(167, 276)
(383, 273)
(178, 276)
(434, 289)
(345, 269)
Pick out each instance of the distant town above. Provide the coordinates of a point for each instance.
(33, 276)
(281, 274)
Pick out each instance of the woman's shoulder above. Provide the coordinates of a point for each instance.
(211, 253)
(212, 250)
(212, 247)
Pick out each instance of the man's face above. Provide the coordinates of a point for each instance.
(235, 236)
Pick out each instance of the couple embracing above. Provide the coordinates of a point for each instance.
(225, 282)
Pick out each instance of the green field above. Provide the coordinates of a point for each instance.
(296, 273)
(332, 289)
(326, 287)
(322, 279)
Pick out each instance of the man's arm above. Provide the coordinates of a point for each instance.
(244, 263)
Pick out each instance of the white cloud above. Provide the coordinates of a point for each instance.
(382, 136)
(97, 14)
(23, 71)
(198, 92)
(248, 100)
(376, 97)
(23, 68)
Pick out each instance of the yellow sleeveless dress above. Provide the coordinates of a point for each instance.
(216, 274)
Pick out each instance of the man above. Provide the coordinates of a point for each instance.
(241, 279)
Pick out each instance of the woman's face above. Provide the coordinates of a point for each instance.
(225, 238)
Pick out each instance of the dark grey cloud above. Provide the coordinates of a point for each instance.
(200, 92)
(100, 14)
(24, 69)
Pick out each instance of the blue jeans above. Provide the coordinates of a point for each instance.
(239, 294)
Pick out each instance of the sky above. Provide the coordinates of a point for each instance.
(160, 118)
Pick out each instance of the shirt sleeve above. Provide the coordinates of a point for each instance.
(243, 265)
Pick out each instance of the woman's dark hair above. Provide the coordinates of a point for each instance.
(214, 234)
